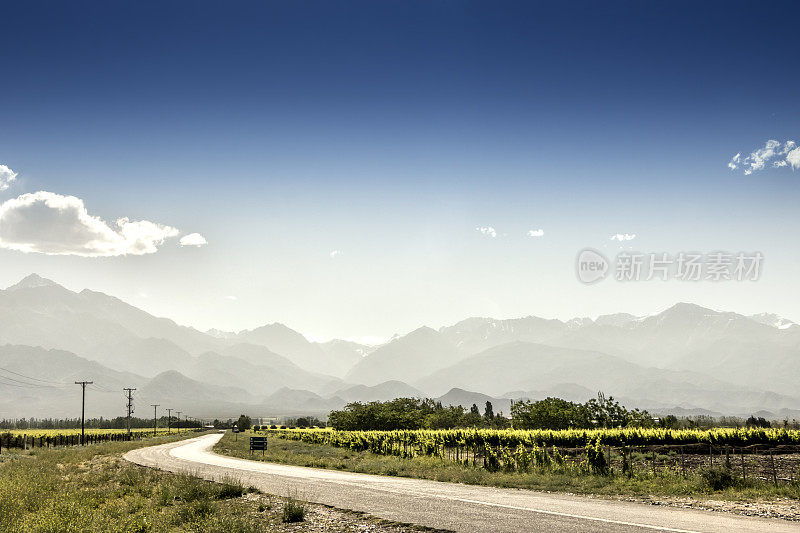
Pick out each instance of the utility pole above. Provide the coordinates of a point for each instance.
(179, 421)
(169, 421)
(83, 404)
(130, 408)
(155, 420)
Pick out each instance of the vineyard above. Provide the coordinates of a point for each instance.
(426, 442)
(769, 454)
(48, 438)
(77, 431)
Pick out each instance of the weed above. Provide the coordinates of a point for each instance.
(718, 477)
(294, 510)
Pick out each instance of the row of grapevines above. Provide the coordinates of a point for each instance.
(431, 442)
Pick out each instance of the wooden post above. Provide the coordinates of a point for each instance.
(744, 472)
(774, 473)
(653, 460)
(683, 463)
(711, 455)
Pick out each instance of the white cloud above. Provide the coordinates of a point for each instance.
(487, 230)
(49, 223)
(535, 232)
(335, 253)
(793, 158)
(193, 239)
(784, 155)
(233, 298)
(623, 237)
(6, 177)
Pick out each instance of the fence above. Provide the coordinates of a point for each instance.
(25, 442)
(773, 463)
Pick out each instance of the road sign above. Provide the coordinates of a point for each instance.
(258, 443)
(235, 429)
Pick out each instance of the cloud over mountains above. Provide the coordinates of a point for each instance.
(50, 223)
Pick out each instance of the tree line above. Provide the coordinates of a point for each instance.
(550, 413)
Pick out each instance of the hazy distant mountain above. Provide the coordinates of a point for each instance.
(344, 354)
(527, 366)
(177, 389)
(566, 391)
(148, 357)
(39, 312)
(388, 390)
(474, 335)
(686, 357)
(294, 346)
(39, 382)
(466, 399)
(219, 334)
(299, 402)
(617, 319)
(256, 370)
(406, 358)
(771, 319)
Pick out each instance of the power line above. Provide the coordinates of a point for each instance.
(13, 385)
(32, 385)
(61, 383)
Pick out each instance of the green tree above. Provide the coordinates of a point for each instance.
(550, 413)
(243, 423)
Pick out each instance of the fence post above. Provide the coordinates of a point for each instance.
(744, 472)
(774, 473)
(683, 463)
(711, 454)
(653, 460)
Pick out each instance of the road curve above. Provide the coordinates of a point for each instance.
(444, 505)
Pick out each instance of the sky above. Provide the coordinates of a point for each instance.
(359, 169)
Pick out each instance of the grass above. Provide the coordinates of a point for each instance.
(294, 510)
(644, 483)
(93, 489)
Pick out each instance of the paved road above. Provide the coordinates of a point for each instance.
(444, 505)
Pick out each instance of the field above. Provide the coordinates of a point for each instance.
(91, 488)
(36, 433)
(562, 469)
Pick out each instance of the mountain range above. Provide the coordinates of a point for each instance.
(685, 359)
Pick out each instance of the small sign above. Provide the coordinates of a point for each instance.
(258, 443)
(235, 429)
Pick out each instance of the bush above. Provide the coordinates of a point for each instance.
(230, 487)
(718, 478)
(294, 511)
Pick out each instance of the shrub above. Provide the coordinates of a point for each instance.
(294, 511)
(718, 478)
(230, 487)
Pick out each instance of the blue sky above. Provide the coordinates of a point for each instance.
(390, 131)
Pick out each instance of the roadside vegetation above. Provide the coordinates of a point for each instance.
(91, 488)
(575, 477)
